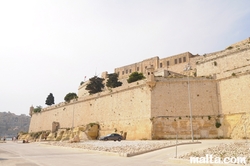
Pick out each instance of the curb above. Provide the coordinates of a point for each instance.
(138, 153)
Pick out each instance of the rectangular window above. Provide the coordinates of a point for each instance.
(184, 59)
(175, 61)
(160, 65)
(118, 73)
(180, 60)
(138, 68)
(146, 67)
(126, 71)
(122, 72)
(130, 70)
(167, 63)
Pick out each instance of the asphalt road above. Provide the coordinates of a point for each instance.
(39, 154)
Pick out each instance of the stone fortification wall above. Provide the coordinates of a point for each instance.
(235, 94)
(123, 109)
(82, 91)
(243, 42)
(169, 127)
(170, 97)
(225, 63)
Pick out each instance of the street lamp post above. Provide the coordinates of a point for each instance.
(188, 67)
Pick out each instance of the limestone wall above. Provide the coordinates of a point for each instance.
(236, 126)
(126, 110)
(225, 63)
(235, 94)
(240, 43)
(203, 127)
(170, 97)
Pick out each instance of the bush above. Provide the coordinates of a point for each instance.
(38, 109)
(70, 96)
(113, 81)
(217, 124)
(135, 76)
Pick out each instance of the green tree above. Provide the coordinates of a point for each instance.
(70, 96)
(95, 85)
(38, 109)
(135, 76)
(113, 81)
(50, 99)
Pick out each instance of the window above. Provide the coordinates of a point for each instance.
(146, 67)
(130, 70)
(126, 71)
(160, 65)
(167, 63)
(180, 60)
(175, 61)
(138, 68)
(118, 73)
(122, 72)
(184, 59)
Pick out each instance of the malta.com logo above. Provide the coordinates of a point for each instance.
(210, 159)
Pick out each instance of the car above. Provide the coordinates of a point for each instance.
(113, 136)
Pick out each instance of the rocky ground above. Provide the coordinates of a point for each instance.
(124, 147)
(224, 150)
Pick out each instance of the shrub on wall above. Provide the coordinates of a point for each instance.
(38, 109)
(135, 76)
(70, 96)
(217, 124)
(113, 81)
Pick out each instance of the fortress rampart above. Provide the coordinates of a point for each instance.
(131, 108)
(126, 110)
(225, 63)
(158, 106)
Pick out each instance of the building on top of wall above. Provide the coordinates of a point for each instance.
(174, 63)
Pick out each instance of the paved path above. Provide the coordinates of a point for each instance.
(39, 154)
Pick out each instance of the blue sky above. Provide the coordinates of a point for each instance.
(49, 46)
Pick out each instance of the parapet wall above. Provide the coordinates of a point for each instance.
(225, 63)
(126, 110)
